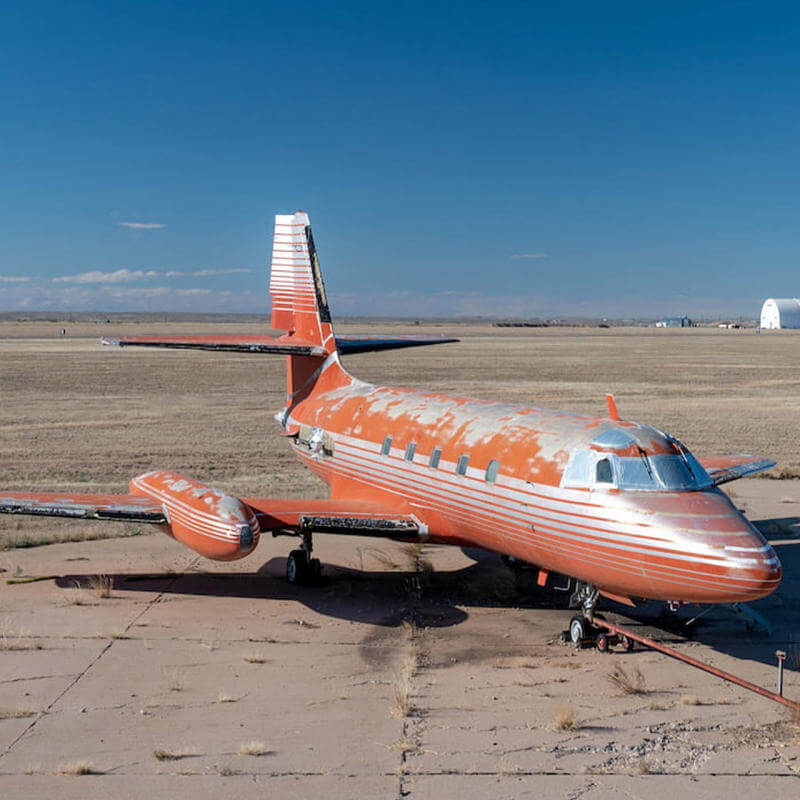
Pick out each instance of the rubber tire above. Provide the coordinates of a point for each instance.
(577, 630)
(602, 643)
(314, 570)
(297, 567)
(627, 644)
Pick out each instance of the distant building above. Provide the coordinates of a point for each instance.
(780, 313)
(674, 322)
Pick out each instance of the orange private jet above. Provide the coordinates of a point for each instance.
(623, 509)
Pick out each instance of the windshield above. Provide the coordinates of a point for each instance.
(678, 472)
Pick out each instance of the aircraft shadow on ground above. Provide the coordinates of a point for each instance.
(388, 597)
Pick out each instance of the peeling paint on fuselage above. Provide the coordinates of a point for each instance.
(665, 545)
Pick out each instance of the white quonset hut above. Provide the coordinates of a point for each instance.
(780, 313)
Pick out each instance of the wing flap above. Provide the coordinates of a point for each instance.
(225, 343)
(722, 469)
(117, 507)
(351, 517)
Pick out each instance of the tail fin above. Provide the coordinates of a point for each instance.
(299, 302)
(300, 306)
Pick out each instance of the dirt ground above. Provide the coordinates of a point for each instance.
(405, 674)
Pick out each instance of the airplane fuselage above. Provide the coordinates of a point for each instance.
(528, 482)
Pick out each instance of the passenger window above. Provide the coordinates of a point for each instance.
(387, 446)
(410, 450)
(491, 471)
(603, 473)
(461, 467)
(433, 461)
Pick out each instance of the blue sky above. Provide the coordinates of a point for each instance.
(526, 158)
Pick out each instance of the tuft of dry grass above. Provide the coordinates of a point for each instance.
(403, 705)
(161, 754)
(645, 766)
(19, 641)
(793, 717)
(100, 586)
(691, 700)
(174, 679)
(405, 744)
(254, 748)
(633, 683)
(565, 719)
(25, 540)
(226, 698)
(16, 714)
(416, 561)
(382, 557)
(227, 771)
(254, 658)
(77, 596)
(76, 768)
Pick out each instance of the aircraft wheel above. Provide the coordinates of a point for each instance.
(314, 570)
(577, 630)
(297, 567)
(602, 642)
(627, 643)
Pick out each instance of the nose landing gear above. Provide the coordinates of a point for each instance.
(582, 632)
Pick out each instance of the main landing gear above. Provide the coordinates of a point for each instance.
(582, 631)
(300, 567)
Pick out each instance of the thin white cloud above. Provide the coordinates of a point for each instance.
(128, 275)
(142, 226)
(129, 291)
(193, 292)
(13, 279)
(117, 276)
(529, 255)
(204, 273)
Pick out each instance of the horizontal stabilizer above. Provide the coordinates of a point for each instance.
(722, 469)
(117, 507)
(227, 343)
(269, 344)
(368, 344)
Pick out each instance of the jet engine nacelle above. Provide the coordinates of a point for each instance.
(214, 524)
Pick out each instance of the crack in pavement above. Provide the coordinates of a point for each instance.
(80, 675)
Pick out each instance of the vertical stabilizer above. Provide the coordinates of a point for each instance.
(299, 302)
(300, 306)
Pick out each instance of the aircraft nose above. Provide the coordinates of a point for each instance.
(757, 563)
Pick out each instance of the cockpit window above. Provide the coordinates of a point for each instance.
(603, 472)
(665, 471)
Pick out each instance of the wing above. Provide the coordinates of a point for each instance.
(273, 514)
(722, 469)
(118, 507)
(352, 517)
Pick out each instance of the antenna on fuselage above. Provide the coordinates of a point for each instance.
(611, 402)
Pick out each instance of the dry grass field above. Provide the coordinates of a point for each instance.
(133, 667)
(74, 413)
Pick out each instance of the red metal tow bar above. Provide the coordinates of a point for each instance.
(620, 632)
